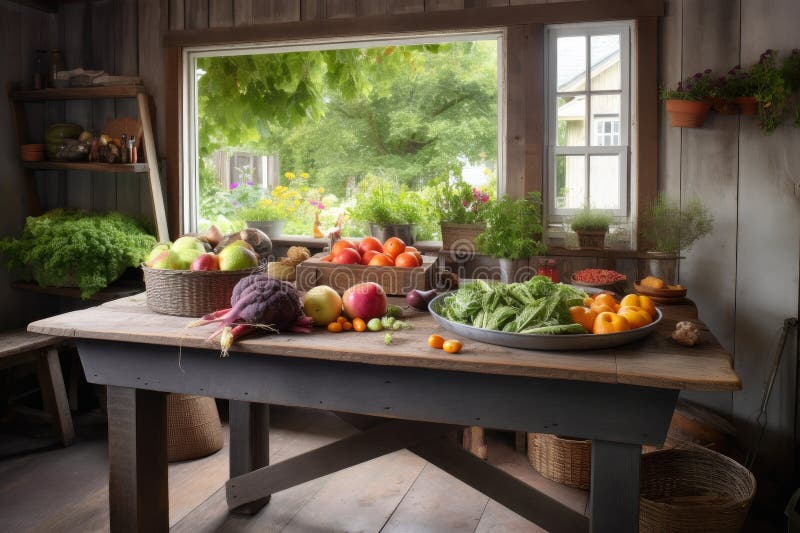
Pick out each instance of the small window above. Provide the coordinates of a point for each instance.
(588, 106)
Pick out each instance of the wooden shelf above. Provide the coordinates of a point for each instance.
(77, 93)
(90, 167)
(118, 289)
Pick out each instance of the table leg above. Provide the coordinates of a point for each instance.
(249, 444)
(137, 453)
(614, 496)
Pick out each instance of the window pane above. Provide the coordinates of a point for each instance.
(605, 63)
(604, 181)
(571, 64)
(570, 181)
(571, 121)
(605, 120)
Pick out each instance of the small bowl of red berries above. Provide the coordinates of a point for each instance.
(599, 278)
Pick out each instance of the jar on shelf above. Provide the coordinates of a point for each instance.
(548, 267)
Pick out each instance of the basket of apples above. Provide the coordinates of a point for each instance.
(195, 275)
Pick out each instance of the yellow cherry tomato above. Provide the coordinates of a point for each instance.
(452, 346)
(335, 327)
(436, 341)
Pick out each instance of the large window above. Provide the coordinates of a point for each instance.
(304, 129)
(588, 102)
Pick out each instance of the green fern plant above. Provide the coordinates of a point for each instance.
(513, 228)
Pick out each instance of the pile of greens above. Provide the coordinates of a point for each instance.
(65, 248)
(537, 306)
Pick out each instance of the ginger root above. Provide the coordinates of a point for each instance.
(686, 333)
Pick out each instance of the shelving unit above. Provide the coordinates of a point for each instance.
(20, 98)
(150, 167)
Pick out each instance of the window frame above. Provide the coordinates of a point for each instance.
(626, 29)
(190, 193)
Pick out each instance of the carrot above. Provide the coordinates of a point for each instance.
(230, 334)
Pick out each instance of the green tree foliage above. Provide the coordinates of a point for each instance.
(403, 113)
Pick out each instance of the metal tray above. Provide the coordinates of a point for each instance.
(582, 341)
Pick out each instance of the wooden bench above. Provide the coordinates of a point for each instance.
(18, 347)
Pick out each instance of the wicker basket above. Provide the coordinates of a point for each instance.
(693, 489)
(190, 293)
(460, 237)
(564, 460)
(193, 427)
(591, 240)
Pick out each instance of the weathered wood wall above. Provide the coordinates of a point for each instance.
(744, 277)
(22, 31)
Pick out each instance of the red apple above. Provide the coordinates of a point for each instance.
(365, 300)
(347, 256)
(206, 261)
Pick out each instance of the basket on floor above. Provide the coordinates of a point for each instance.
(561, 459)
(193, 427)
(190, 293)
(693, 489)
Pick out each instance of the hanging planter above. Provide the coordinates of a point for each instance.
(688, 104)
(687, 113)
(748, 105)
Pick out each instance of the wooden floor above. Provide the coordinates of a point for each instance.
(64, 490)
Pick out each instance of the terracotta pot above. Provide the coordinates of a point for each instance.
(748, 105)
(687, 113)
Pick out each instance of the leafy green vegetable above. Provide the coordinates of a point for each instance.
(68, 247)
(537, 306)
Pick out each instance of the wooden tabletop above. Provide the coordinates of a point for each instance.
(656, 361)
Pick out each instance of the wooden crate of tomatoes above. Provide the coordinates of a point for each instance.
(393, 265)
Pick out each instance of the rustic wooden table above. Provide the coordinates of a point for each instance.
(412, 396)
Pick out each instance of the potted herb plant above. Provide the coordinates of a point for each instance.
(461, 209)
(591, 226)
(669, 229)
(389, 211)
(687, 104)
(513, 230)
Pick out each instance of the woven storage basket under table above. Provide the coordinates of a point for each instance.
(564, 460)
(190, 293)
(193, 427)
(693, 489)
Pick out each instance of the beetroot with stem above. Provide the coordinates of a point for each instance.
(258, 301)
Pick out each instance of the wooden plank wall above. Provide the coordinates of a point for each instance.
(744, 277)
(22, 31)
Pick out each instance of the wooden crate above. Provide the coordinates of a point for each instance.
(394, 280)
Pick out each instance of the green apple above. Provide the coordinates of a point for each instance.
(188, 243)
(182, 259)
(322, 304)
(157, 250)
(161, 261)
(237, 258)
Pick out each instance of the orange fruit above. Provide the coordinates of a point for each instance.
(583, 316)
(406, 260)
(412, 250)
(452, 346)
(436, 341)
(393, 247)
(369, 243)
(641, 301)
(359, 325)
(608, 299)
(366, 256)
(610, 323)
(381, 260)
(602, 308)
(636, 316)
(347, 326)
(340, 245)
(335, 327)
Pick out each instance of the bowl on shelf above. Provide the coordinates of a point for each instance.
(32, 152)
(598, 278)
(666, 295)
